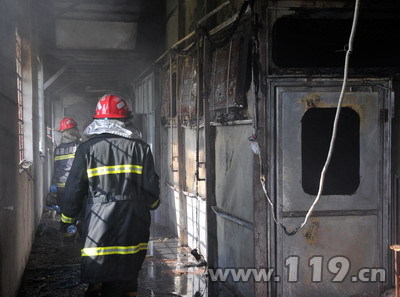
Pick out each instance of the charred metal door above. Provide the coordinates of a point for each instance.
(343, 250)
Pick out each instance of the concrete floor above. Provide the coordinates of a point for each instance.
(53, 267)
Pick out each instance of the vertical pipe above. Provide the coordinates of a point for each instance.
(263, 229)
(199, 89)
(395, 249)
(212, 87)
(228, 73)
(192, 68)
(396, 273)
(209, 151)
(199, 98)
(395, 209)
(180, 138)
(171, 93)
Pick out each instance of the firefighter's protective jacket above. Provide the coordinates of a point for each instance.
(63, 157)
(113, 180)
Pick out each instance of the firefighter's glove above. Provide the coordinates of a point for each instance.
(63, 229)
(53, 189)
(67, 232)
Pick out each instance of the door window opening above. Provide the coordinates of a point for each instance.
(343, 174)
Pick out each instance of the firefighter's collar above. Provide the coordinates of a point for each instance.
(112, 126)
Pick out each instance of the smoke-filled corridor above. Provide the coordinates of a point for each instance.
(202, 148)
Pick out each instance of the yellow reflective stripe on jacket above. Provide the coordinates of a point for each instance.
(64, 157)
(154, 204)
(61, 185)
(66, 219)
(126, 168)
(113, 250)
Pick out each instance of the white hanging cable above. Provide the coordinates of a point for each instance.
(333, 138)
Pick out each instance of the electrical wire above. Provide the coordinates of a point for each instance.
(335, 124)
(333, 138)
(218, 43)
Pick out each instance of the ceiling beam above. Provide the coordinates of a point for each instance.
(79, 6)
(103, 12)
(93, 53)
(62, 11)
(99, 18)
(55, 76)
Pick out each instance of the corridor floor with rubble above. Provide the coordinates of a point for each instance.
(53, 268)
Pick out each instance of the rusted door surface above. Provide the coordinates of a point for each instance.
(343, 250)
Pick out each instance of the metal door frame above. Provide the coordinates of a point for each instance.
(274, 232)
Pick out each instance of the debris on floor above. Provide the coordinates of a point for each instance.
(53, 268)
(166, 271)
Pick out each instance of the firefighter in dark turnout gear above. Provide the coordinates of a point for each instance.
(64, 154)
(115, 170)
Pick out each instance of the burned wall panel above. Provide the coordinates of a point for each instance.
(235, 249)
(165, 93)
(234, 195)
(187, 87)
(234, 167)
(228, 77)
(168, 91)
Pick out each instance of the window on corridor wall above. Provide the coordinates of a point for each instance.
(144, 105)
(18, 62)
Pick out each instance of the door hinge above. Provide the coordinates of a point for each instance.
(384, 115)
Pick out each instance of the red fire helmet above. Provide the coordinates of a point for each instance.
(113, 107)
(67, 123)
